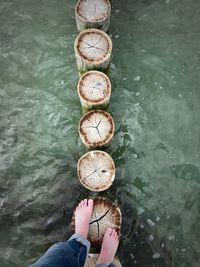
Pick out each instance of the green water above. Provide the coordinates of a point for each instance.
(155, 74)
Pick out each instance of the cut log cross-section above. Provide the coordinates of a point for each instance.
(96, 129)
(93, 50)
(105, 214)
(94, 90)
(96, 170)
(93, 14)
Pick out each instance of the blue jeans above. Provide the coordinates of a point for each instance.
(71, 253)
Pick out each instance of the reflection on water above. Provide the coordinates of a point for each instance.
(155, 104)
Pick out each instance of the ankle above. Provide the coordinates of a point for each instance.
(103, 260)
(83, 234)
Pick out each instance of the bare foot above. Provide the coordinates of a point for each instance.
(109, 246)
(83, 214)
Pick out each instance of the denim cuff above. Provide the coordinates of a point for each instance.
(83, 241)
(105, 265)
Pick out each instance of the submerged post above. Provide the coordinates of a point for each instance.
(94, 90)
(96, 170)
(93, 49)
(93, 14)
(96, 129)
(92, 259)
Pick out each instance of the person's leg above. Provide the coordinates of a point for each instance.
(108, 249)
(65, 254)
(73, 252)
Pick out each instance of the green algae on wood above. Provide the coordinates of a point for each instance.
(106, 71)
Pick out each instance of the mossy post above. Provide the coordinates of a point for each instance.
(96, 129)
(93, 49)
(94, 90)
(93, 14)
(96, 170)
(105, 214)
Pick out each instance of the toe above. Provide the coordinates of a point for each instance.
(81, 203)
(113, 233)
(108, 231)
(78, 206)
(90, 202)
(116, 235)
(85, 203)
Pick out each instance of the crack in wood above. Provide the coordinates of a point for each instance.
(96, 127)
(98, 123)
(98, 174)
(98, 40)
(98, 228)
(98, 132)
(95, 215)
(97, 220)
(94, 45)
(96, 170)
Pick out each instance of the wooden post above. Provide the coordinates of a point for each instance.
(96, 129)
(105, 214)
(93, 50)
(93, 14)
(92, 259)
(94, 90)
(96, 170)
